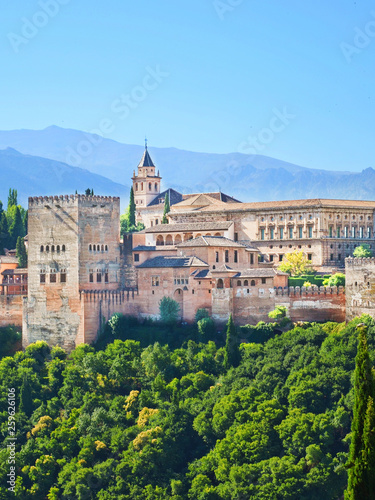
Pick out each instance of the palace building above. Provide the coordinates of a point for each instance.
(215, 253)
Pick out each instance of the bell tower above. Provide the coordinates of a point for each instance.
(146, 184)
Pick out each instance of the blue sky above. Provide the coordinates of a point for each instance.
(294, 80)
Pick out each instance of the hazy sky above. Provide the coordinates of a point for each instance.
(294, 79)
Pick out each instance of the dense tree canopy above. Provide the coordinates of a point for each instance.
(363, 250)
(295, 263)
(128, 422)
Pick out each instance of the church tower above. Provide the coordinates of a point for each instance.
(146, 184)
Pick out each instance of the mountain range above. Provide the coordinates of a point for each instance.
(59, 161)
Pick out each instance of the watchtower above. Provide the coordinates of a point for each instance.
(74, 245)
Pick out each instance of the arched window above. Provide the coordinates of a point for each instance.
(90, 248)
(220, 283)
(53, 248)
(141, 186)
(102, 248)
(160, 240)
(106, 248)
(217, 234)
(245, 283)
(177, 239)
(136, 186)
(156, 186)
(63, 248)
(252, 283)
(169, 240)
(239, 283)
(149, 186)
(47, 248)
(58, 249)
(42, 248)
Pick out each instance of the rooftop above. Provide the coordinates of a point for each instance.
(210, 241)
(191, 226)
(259, 273)
(174, 197)
(164, 261)
(288, 204)
(146, 160)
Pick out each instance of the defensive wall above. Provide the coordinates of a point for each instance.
(11, 310)
(250, 305)
(360, 286)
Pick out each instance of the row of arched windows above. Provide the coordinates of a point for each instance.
(52, 248)
(149, 186)
(98, 248)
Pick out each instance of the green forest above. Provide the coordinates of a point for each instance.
(13, 227)
(163, 412)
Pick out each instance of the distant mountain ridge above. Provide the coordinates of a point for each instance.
(37, 176)
(248, 178)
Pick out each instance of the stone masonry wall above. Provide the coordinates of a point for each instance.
(250, 305)
(360, 287)
(10, 310)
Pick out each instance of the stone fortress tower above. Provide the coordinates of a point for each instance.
(146, 184)
(74, 248)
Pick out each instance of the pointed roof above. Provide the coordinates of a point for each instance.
(146, 160)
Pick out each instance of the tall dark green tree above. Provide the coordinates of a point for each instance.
(361, 458)
(21, 253)
(26, 221)
(231, 352)
(131, 209)
(16, 229)
(4, 233)
(167, 209)
(12, 198)
(26, 399)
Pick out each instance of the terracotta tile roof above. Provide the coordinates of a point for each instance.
(200, 200)
(8, 259)
(190, 226)
(289, 204)
(210, 241)
(217, 196)
(259, 273)
(164, 261)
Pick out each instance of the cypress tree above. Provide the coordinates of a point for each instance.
(26, 221)
(16, 229)
(131, 210)
(26, 399)
(21, 252)
(369, 446)
(167, 209)
(12, 198)
(4, 233)
(361, 454)
(231, 350)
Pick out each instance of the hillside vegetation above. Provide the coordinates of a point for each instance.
(156, 422)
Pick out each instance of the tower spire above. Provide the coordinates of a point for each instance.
(146, 143)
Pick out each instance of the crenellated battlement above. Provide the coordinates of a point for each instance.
(69, 199)
(359, 261)
(303, 291)
(114, 296)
